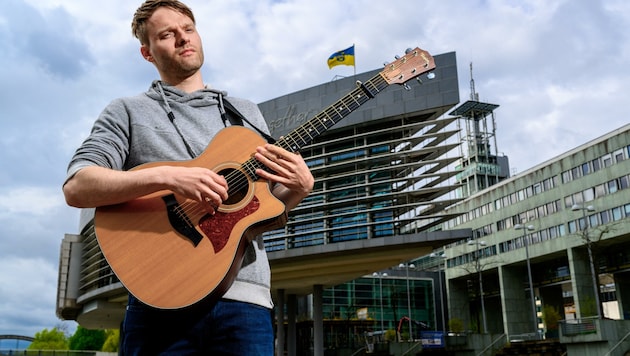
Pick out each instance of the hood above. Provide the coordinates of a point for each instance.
(163, 92)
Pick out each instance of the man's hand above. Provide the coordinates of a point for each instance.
(289, 170)
(199, 184)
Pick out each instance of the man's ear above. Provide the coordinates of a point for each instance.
(146, 53)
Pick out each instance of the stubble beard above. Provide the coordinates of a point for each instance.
(184, 67)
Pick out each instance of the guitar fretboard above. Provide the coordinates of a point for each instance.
(308, 131)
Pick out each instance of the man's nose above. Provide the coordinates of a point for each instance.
(183, 39)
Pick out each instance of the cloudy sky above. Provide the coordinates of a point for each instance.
(558, 70)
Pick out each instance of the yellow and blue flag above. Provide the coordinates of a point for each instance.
(345, 57)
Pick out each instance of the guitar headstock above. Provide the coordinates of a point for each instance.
(413, 64)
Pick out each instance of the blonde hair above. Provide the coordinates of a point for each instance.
(146, 10)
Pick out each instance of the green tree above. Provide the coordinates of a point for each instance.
(111, 342)
(86, 339)
(54, 339)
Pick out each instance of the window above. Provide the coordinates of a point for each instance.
(589, 194)
(585, 169)
(576, 173)
(624, 182)
(543, 235)
(607, 160)
(566, 176)
(612, 186)
(561, 230)
(529, 191)
(596, 164)
(568, 201)
(619, 156)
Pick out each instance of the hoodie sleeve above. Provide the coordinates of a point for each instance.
(108, 142)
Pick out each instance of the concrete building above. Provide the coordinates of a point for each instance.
(550, 217)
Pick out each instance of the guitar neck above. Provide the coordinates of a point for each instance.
(308, 131)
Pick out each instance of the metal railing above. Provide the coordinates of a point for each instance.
(491, 346)
(617, 344)
(578, 326)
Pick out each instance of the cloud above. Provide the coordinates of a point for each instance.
(27, 295)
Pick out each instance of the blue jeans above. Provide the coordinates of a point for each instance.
(220, 328)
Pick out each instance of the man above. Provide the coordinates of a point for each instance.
(175, 120)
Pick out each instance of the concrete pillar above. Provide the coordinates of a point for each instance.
(517, 314)
(581, 282)
(622, 286)
(291, 325)
(280, 323)
(318, 320)
(458, 304)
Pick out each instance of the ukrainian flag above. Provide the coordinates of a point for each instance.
(345, 57)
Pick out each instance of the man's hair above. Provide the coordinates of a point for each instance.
(144, 12)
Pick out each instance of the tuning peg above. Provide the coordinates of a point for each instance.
(385, 64)
(408, 50)
(419, 80)
(431, 75)
(406, 86)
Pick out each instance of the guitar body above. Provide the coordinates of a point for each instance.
(168, 251)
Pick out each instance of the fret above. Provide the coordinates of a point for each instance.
(312, 128)
(301, 142)
(295, 145)
(249, 167)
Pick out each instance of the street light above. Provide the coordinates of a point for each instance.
(441, 255)
(585, 210)
(525, 228)
(380, 287)
(407, 267)
(478, 267)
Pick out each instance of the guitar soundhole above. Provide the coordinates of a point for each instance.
(238, 185)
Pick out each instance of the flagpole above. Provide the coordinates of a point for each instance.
(355, 61)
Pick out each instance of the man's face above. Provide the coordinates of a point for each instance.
(174, 45)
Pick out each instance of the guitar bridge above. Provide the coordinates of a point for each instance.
(180, 221)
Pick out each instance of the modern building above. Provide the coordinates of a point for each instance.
(556, 236)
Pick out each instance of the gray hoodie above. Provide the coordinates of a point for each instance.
(135, 130)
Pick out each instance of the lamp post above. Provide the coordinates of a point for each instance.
(585, 210)
(441, 255)
(380, 288)
(478, 267)
(525, 228)
(407, 267)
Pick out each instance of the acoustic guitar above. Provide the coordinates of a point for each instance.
(170, 253)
